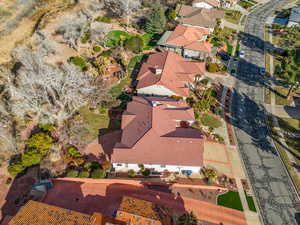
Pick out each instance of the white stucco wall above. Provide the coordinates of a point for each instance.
(123, 167)
(202, 5)
(156, 90)
(292, 24)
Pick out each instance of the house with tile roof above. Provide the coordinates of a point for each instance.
(190, 42)
(198, 17)
(167, 74)
(38, 213)
(136, 211)
(157, 132)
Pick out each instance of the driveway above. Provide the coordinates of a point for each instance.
(278, 201)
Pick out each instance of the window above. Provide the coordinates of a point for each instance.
(119, 164)
(163, 166)
(126, 164)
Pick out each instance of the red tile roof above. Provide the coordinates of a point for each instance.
(188, 37)
(201, 17)
(176, 72)
(154, 135)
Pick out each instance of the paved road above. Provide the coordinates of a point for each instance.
(278, 201)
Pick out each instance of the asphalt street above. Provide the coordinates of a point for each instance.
(278, 201)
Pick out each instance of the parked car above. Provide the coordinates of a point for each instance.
(262, 71)
(242, 54)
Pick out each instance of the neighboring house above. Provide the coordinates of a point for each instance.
(208, 4)
(294, 19)
(167, 74)
(156, 132)
(198, 17)
(38, 213)
(134, 211)
(190, 42)
(228, 3)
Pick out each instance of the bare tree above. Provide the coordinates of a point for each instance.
(52, 93)
(121, 8)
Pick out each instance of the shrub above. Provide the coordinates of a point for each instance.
(219, 138)
(146, 172)
(15, 169)
(134, 44)
(131, 173)
(8, 180)
(72, 173)
(103, 19)
(210, 174)
(72, 151)
(91, 166)
(80, 62)
(46, 127)
(171, 14)
(40, 141)
(86, 37)
(31, 157)
(106, 165)
(142, 167)
(212, 67)
(98, 173)
(97, 48)
(84, 174)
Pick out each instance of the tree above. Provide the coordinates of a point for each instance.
(41, 142)
(187, 219)
(53, 94)
(121, 8)
(210, 174)
(146, 172)
(156, 22)
(171, 14)
(134, 44)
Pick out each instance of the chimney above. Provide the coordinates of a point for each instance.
(157, 70)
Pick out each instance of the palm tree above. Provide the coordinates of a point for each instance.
(187, 219)
(210, 174)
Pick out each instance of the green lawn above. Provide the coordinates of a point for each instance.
(113, 38)
(116, 91)
(280, 98)
(230, 199)
(233, 16)
(150, 40)
(93, 121)
(210, 120)
(250, 202)
(289, 124)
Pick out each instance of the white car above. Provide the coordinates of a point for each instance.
(242, 54)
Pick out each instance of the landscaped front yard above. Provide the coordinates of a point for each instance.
(230, 199)
(233, 16)
(210, 120)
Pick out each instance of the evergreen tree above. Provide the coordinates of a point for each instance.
(156, 22)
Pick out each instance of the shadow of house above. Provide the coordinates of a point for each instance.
(88, 197)
(19, 192)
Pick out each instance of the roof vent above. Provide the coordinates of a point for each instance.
(155, 103)
(158, 71)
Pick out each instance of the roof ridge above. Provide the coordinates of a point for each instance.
(163, 67)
